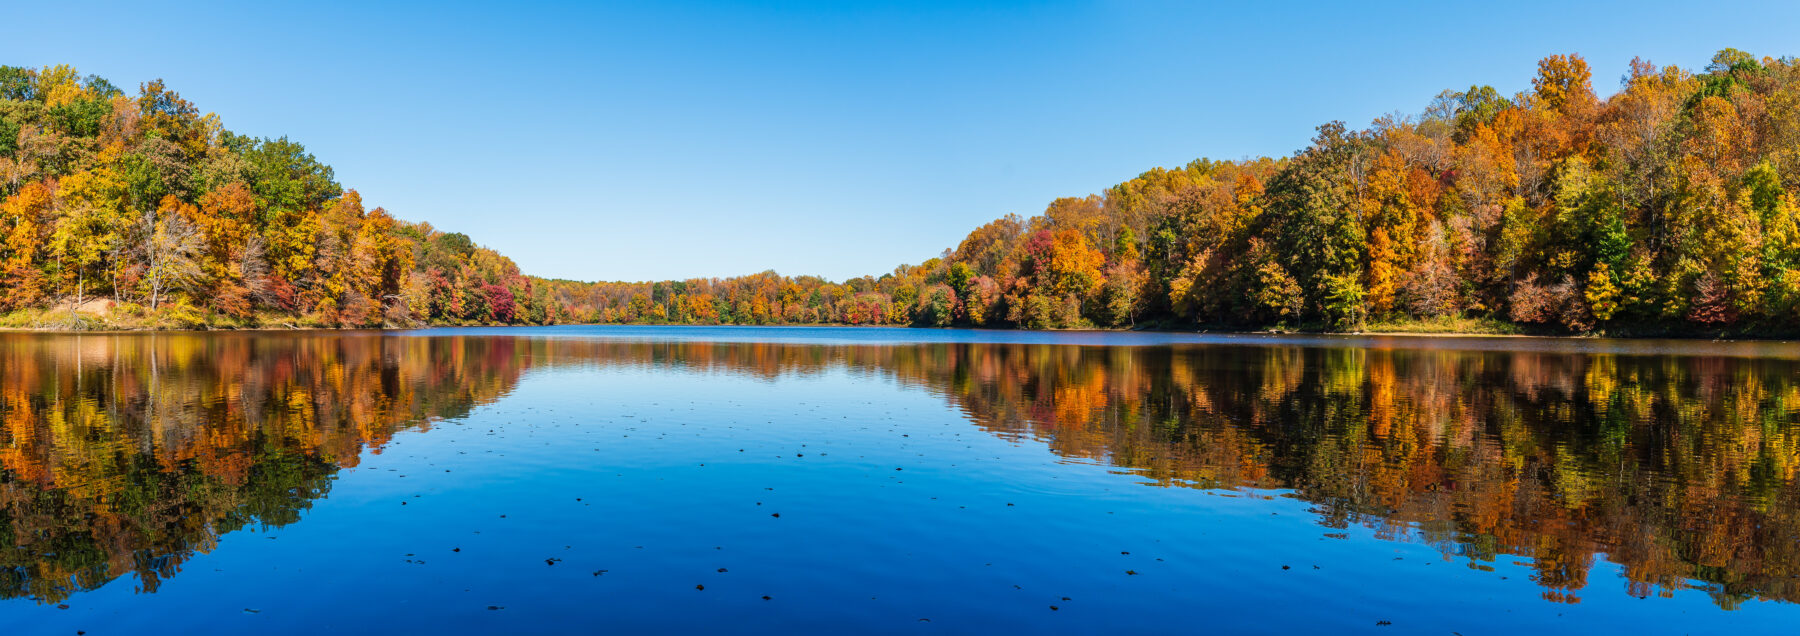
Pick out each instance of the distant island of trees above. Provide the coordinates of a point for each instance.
(1667, 207)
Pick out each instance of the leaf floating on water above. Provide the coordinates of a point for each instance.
(246, 610)
(1131, 572)
(495, 607)
(700, 587)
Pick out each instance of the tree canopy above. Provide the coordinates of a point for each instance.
(1668, 205)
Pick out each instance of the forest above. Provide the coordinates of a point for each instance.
(141, 212)
(1667, 207)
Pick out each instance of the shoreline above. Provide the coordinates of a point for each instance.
(1222, 332)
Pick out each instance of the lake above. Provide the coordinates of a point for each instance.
(689, 479)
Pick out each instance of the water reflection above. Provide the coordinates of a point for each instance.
(129, 454)
(1681, 470)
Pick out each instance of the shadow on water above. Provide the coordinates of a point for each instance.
(128, 454)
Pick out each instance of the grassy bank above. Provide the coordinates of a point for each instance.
(129, 317)
(1451, 325)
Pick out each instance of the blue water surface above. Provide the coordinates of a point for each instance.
(860, 480)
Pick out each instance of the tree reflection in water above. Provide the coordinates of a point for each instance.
(131, 453)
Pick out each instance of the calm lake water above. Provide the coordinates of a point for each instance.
(670, 479)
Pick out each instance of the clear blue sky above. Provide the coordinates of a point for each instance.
(671, 140)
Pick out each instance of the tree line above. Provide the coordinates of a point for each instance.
(162, 215)
(1667, 206)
